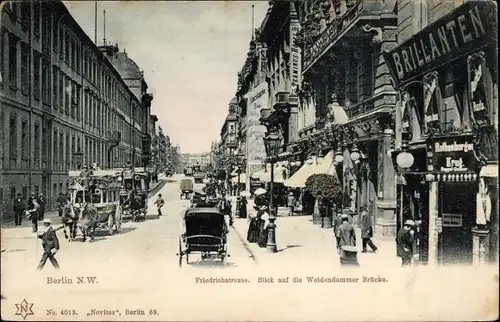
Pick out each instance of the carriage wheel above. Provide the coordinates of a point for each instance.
(180, 253)
(110, 224)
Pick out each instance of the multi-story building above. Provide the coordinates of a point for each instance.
(347, 100)
(445, 69)
(59, 95)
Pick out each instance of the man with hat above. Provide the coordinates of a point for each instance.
(367, 230)
(337, 221)
(291, 203)
(50, 244)
(33, 211)
(404, 242)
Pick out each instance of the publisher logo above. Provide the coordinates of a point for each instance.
(24, 309)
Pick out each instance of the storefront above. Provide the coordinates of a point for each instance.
(447, 79)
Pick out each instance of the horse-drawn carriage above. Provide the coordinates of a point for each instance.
(205, 231)
(94, 203)
(136, 184)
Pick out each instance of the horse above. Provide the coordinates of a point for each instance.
(88, 221)
(70, 222)
(136, 203)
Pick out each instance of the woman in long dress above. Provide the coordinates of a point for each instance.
(253, 227)
(264, 222)
(243, 207)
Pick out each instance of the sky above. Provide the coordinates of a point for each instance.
(190, 53)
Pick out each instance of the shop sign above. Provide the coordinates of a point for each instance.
(452, 155)
(452, 220)
(462, 31)
(439, 224)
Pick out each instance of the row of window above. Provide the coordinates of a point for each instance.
(71, 52)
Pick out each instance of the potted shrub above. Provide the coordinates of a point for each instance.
(326, 189)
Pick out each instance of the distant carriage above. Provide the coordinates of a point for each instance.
(187, 187)
(136, 180)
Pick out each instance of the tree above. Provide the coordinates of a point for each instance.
(324, 187)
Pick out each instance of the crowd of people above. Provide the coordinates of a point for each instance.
(33, 209)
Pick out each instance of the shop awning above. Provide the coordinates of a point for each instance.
(243, 178)
(262, 172)
(280, 173)
(321, 166)
(489, 171)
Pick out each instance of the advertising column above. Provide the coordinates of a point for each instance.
(257, 99)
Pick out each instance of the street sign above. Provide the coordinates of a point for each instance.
(452, 220)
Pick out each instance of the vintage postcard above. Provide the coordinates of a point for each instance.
(308, 160)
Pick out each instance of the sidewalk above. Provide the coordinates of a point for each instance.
(54, 216)
(302, 243)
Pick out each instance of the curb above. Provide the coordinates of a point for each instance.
(246, 245)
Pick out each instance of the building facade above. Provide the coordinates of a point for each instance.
(347, 101)
(59, 95)
(445, 69)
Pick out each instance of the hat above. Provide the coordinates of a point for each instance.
(409, 222)
(47, 221)
(345, 216)
(262, 207)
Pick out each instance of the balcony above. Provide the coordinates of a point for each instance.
(360, 19)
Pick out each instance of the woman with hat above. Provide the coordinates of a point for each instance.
(404, 242)
(253, 226)
(264, 222)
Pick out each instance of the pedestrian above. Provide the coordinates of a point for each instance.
(367, 231)
(50, 244)
(404, 242)
(18, 209)
(337, 221)
(61, 202)
(41, 202)
(253, 226)
(291, 203)
(263, 226)
(347, 233)
(33, 211)
(243, 207)
(159, 203)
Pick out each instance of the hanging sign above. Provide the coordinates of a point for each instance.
(452, 220)
(452, 155)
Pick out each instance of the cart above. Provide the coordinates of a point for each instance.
(187, 188)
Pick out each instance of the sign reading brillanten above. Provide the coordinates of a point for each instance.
(462, 31)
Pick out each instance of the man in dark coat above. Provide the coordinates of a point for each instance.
(41, 211)
(61, 202)
(337, 221)
(367, 230)
(404, 242)
(18, 209)
(50, 244)
(347, 233)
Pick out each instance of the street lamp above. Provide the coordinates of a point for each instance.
(78, 158)
(339, 157)
(272, 144)
(404, 160)
(240, 157)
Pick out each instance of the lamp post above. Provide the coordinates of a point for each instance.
(272, 143)
(240, 157)
(404, 160)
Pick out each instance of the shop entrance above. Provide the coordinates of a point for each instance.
(457, 209)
